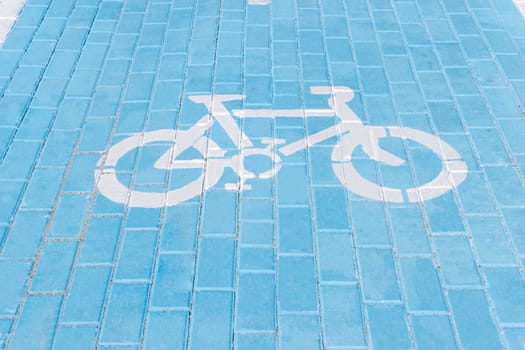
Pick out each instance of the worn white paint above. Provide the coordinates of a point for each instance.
(9, 10)
(258, 2)
(520, 4)
(351, 131)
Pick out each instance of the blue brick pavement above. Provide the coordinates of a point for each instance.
(297, 260)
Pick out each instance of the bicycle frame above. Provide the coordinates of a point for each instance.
(338, 101)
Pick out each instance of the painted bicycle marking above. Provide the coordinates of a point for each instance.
(351, 131)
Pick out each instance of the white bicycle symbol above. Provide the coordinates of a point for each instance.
(351, 131)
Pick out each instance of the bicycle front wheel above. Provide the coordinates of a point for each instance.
(453, 172)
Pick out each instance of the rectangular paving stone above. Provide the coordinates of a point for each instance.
(408, 98)
(408, 231)
(333, 216)
(62, 64)
(101, 127)
(450, 55)
(14, 280)
(475, 196)
(256, 210)
(463, 145)
(475, 111)
(105, 102)
(86, 297)
(219, 213)
(18, 163)
(36, 124)
(36, 325)
(69, 216)
(9, 60)
(215, 266)
(457, 261)
(336, 257)
(513, 129)
(38, 53)
(55, 257)
(506, 288)
(491, 241)
(12, 108)
(115, 72)
(49, 92)
(502, 104)
(174, 281)
(58, 148)
(79, 178)
(179, 228)
(139, 87)
(259, 233)
(248, 341)
(378, 276)
(398, 69)
(489, 146)
(515, 226)
(434, 86)
(125, 313)
(43, 188)
(446, 117)
(298, 288)
(156, 335)
(257, 259)
(388, 327)
(421, 284)
(255, 302)
(487, 74)
(71, 38)
(515, 337)
(341, 316)
(211, 322)
(366, 232)
(5, 326)
(443, 214)
(100, 240)
(510, 189)
(81, 338)
(132, 117)
(464, 303)
(25, 80)
(143, 218)
(137, 255)
(299, 332)
(24, 237)
(82, 83)
(433, 330)
(439, 30)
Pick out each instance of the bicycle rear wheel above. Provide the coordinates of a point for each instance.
(110, 186)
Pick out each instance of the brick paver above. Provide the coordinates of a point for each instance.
(103, 245)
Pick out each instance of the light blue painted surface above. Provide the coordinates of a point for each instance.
(298, 261)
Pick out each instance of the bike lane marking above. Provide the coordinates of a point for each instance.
(9, 11)
(520, 4)
(374, 291)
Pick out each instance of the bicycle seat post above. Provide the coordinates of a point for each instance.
(340, 96)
